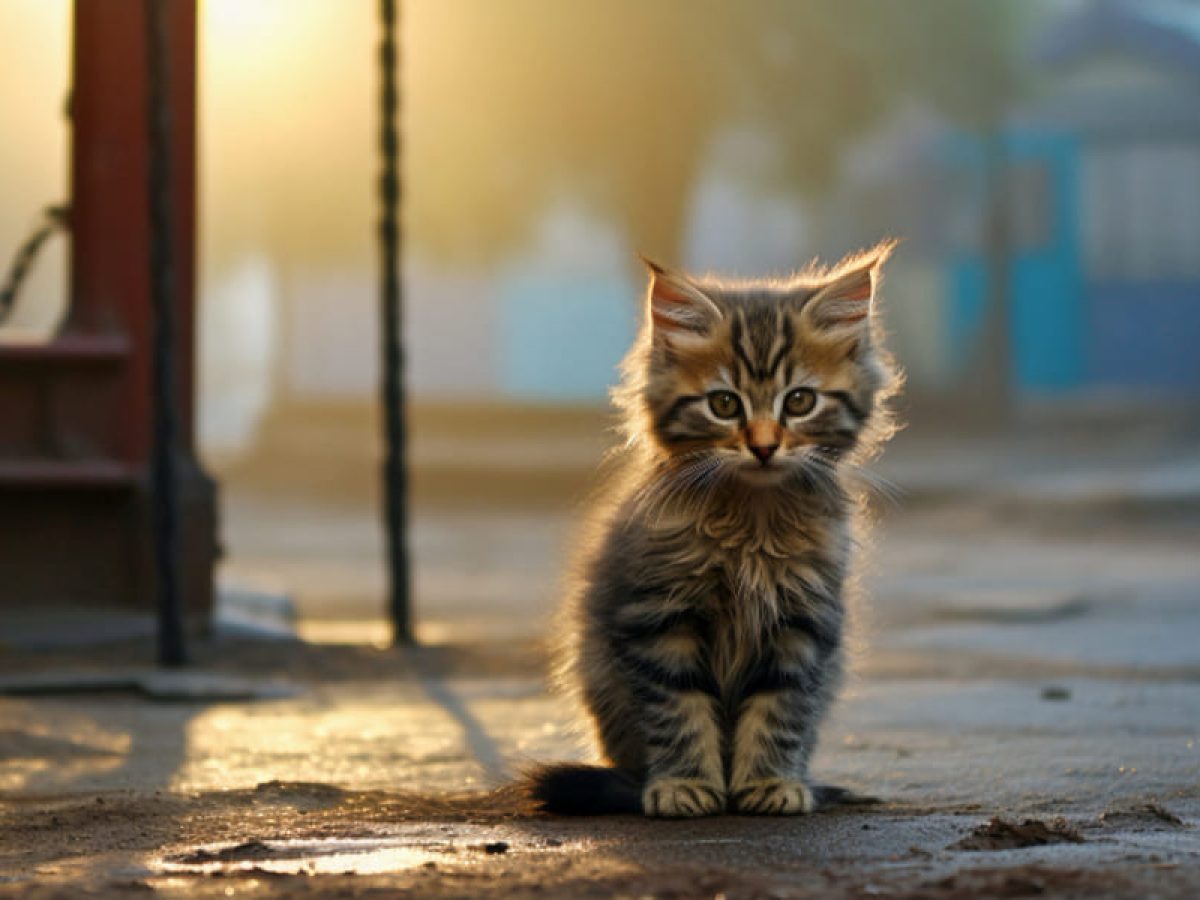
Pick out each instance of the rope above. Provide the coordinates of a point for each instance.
(390, 236)
(52, 219)
(164, 474)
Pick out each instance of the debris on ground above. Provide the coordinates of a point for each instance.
(1056, 693)
(1150, 812)
(248, 851)
(1001, 834)
(1021, 881)
(1163, 814)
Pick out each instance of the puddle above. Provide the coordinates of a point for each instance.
(330, 856)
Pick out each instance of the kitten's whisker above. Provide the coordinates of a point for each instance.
(688, 485)
(658, 493)
(875, 483)
(719, 476)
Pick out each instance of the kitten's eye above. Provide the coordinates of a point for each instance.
(724, 404)
(799, 402)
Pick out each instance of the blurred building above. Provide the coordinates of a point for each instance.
(1103, 202)
(1121, 131)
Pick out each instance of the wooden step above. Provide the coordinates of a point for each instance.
(39, 474)
(67, 350)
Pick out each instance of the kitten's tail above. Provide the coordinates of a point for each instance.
(574, 789)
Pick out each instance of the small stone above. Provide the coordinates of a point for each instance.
(495, 847)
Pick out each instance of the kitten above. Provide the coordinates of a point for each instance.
(706, 625)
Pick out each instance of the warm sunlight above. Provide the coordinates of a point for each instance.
(285, 125)
(466, 437)
(33, 154)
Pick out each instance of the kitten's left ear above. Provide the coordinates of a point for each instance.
(678, 310)
(843, 305)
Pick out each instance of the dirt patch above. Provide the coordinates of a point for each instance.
(245, 852)
(303, 840)
(1022, 881)
(1002, 834)
(1151, 813)
(35, 831)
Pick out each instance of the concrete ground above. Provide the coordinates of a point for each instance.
(1025, 705)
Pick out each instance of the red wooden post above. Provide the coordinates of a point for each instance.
(76, 428)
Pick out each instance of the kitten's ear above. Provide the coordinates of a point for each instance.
(842, 306)
(676, 307)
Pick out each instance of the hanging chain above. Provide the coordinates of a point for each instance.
(165, 461)
(390, 236)
(52, 219)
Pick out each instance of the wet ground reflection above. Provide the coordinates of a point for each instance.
(410, 848)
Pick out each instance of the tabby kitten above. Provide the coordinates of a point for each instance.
(707, 619)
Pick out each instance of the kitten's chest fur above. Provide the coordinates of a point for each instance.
(746, 570)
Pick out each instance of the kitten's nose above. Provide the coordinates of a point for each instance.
(764, 452)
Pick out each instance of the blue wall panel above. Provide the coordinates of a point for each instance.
(562, 337)
(1145, 335)
(1047, 303)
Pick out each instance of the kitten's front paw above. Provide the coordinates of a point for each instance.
(678, 798)
(774, 797)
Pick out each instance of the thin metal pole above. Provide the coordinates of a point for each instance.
(164, 464)
(390, 235)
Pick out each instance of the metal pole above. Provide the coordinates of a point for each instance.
(164, 465)
(390, 235)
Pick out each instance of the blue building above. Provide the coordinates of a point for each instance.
(1104, 199)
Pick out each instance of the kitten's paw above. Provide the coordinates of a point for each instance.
(774, 797)
(678, 798)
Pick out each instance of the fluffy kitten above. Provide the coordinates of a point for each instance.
(707, 619)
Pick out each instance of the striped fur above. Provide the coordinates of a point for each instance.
(705, 633)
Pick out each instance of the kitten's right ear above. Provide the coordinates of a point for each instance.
(676, 307)
(844, 304)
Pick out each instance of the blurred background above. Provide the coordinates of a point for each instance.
(1039, 158)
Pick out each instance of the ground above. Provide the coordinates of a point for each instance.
(1025, 705)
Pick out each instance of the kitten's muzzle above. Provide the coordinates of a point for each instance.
(763, 452)
(762, 438)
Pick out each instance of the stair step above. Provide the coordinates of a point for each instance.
(32, 474)
(67, 349)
